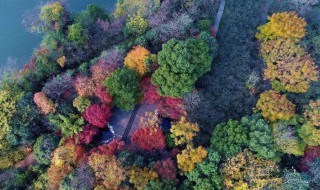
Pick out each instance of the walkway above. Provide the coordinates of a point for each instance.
(219, 16)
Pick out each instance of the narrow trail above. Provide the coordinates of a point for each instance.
(128, 128)
(219, 15)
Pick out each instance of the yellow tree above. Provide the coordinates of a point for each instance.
(183, 131)
(189, 157)
(141, 177)
(284, 25)
(312, 112)
(292, 74)
(247, 171)
(107, 170)
(275, 106)
(136, 60)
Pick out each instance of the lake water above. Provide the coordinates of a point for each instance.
(15, 41)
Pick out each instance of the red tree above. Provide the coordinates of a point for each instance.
(149, 138)
(86, 135)
(310, 154)
(150, 92)
(110, 148)
(98, 115)
(172, 108)
(166, 169)
(103, 95)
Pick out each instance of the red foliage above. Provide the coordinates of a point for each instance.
(100, 71)
(150, 92)
(213, 32)
(109, 149)
(166, 169)
(149, 138)
(310, 154)
(103, 95)
(98, 115)
(86, 135)
(174, 152)
(172, 108)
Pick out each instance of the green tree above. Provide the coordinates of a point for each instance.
(260, 139)
(292, 179)
(181, 63)
(229, 138)
(136, 25)
(123, 86)
(310, 134)
(77, 34)
(69, 125)
(44, 146)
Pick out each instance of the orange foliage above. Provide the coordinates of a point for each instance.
(183, 131)
(141, 177)
(85, 87)
(44, 104)
(136, 59)
(275, 106)
(62, 61)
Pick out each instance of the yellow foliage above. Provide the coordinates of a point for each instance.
(51, 12)
(64, 155)
(107, 170)
(275, 106)
(312, 112)
(141, 177)
(183, 131)
(62, 61)
(294, 74)
(136, 59)
(284, 25)
(246, 171)
(189, 157)
(11, 157)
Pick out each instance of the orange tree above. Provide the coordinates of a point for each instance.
(136, 60)
(275, 106)
(190, 157)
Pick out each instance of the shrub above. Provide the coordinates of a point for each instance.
(123, 86)
(275, 106)
(98, 115)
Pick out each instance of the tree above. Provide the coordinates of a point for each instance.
(69, 125)
(44, 146)
(166, 169)
(149, 138)
(211, 42)
(57, 87)
(160, 185)
(136, 60)
(141, 177)
(229, 138)
(98, 115)
(246, 171)
(181, 64)
(103, 95)
(123, 86)
(183, 131)
(173, 108)
(81, 103)
(52, 14)
(310, 134)
(77, 34)
(190, 157)
(292, 74)
(109, 149)
(206, 175)
(314, 173)
(260, 139)
(284, 25)
(101, 70)
(44, 104)
(310, 154)
(85, 87)
(86, 135)
(280, 49)
(107, 170)
(312, 112)
(150, 92)
(136, 25)
(286, 137)
(295, 180)
(275, 106)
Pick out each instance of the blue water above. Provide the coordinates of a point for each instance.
(15, 41)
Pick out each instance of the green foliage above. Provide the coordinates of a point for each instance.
(310, 134)
(41, 183)
(77, 34)
(181, 64)
(81, 103)
(22, 178)
(136, 25)
(10, 157)
(44, 146)
(229, 138)
(260, 139)
(123, 86)
(204, 25)
(292, 179)
(160, 185)
(206, 174)
(69, 125)
(211, 42)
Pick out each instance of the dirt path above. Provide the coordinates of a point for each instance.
(28, 161)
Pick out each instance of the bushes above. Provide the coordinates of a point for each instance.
(181, 64)
(43, 148)
(123, 86)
